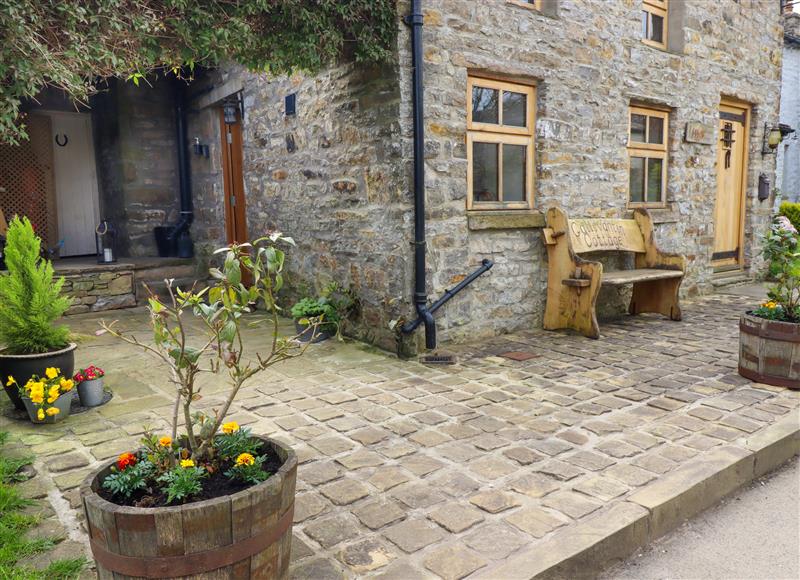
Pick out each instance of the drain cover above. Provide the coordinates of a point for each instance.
(519, 355)
(438, 359)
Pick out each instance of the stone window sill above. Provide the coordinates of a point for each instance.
(504, 219)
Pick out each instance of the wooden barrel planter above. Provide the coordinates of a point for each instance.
(769, 351)
(244, 535)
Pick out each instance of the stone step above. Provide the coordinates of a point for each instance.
(732, 278)
(159, 287)
(159, 273)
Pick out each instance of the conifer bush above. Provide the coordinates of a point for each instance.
(30, 297)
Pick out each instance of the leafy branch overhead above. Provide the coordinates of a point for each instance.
(74, 44)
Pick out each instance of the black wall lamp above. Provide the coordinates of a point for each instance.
(773, 137)
(200, 149)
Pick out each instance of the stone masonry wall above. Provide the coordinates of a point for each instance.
(97, 289)
(588, 64)
(341, 192)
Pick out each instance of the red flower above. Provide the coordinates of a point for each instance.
(126, 460)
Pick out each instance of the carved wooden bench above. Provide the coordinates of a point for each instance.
(574, 282)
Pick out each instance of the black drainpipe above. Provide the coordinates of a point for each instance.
(184, 178)
(424, 313)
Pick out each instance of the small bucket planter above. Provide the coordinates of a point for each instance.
(24, 366)
(63, 404)
(244, 535)
(309, 332)
(769, 351)
(90, 386)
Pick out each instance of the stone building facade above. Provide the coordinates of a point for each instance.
(342, 187)
(789, 150)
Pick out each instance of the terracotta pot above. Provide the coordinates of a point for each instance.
(244, 535)
(769, 351)
(24, 366)
(63, 404)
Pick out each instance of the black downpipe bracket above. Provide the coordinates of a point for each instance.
(184, 177)
(424, 313)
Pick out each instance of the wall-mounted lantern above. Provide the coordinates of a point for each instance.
(773, 136)
(105, 236)
(200, 149)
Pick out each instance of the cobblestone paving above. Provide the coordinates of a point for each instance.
(409, 471)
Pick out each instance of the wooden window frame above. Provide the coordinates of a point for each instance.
(500, 134)
(535, 5)
(656, 8)
(649, 151)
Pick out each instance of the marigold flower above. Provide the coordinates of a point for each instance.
(230, 427)
(40, 415)
(51, 372)
(10, 381)
(165, 441)
(125, 460)
(245, 459)
(187, 463)
(53, 411)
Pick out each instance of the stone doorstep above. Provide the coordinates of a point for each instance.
(658, 508)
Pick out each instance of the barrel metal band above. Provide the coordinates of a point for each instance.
(753, 330)
(189, 564)
(793, 384)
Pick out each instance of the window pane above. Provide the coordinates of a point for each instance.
(514, 109)
(654, 169)
(636, 184)
(484, 172)
(656, 28)
(514, 172)
(485, 107)
(637, 128)
(645, 16)
(656, 130)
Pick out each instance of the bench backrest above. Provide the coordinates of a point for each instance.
(605, 235)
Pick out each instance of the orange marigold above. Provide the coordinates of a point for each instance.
(126, 460)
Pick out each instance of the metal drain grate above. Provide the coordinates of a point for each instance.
(438, 359)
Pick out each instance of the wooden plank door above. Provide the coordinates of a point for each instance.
(232, 153)
(729, 206)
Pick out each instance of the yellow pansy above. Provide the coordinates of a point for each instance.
(10, 381)
(66, 385)
(230, 427)
(187, 463)
(53, 411)
(51, 373)
(40, 415)
(37, 398)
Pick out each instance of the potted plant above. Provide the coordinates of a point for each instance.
(215, 488)
(769, 338)
(30, 303)
(326, 312)
(90, 385)
(47, 398)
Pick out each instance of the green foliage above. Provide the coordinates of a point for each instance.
(183, 482)
(30, 299)
(68, 43)
(230, 445)
(252, 473)
(333, 305)
(126, 482)
(782, 251)
(792, 212)
(15, 547)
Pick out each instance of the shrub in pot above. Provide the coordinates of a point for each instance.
(47, 399)
(30, 303)
(769, 338)
(215, 487)
(90, 385)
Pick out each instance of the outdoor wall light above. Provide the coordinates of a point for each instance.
(199, 148)
(772, 138)
(229, 110)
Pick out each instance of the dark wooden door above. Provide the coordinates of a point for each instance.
(235, 214)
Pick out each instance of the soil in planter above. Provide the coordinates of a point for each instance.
(215, 485)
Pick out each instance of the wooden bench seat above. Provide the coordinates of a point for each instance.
(574, 282)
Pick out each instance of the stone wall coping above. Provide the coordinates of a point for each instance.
(504, 219)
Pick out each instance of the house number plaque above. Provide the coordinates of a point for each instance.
(698, 133)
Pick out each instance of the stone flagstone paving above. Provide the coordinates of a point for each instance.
(409, 471)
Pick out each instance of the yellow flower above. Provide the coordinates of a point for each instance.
(771, 304)
(10, 381)
(231, 427)
(187, 463)
(245, 459)
(66, 385)
(51, 373)
(165, 441)
(40, 415)
(52, 411)
(37, 399)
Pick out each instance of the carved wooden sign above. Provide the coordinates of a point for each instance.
(698, 133)
(596, 235)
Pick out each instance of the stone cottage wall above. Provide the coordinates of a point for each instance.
(588, 63)
(332, 176)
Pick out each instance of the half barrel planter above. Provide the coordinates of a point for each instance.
(244, 535)
(769, 351)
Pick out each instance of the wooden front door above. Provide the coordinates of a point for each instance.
(732, 150)
(235, 215)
